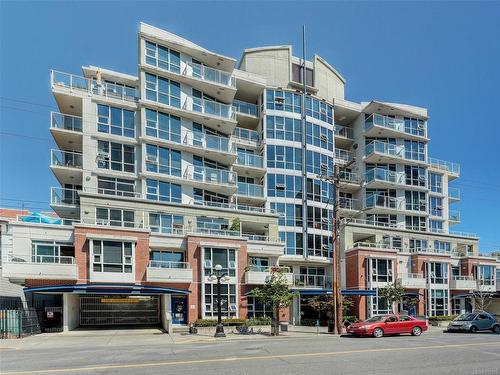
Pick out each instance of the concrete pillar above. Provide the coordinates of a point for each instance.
(71, 311)
(165, 311)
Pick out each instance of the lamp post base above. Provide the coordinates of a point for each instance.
(219, 331)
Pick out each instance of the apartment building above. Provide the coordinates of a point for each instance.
(200, 161)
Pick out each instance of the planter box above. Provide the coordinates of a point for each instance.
(439, 323)
(233, 329)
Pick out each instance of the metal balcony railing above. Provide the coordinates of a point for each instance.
(454, 215)
(383, 148)
(250, 190)
(349, 203)
(209, 74)
(384, 175)
(453, 193)
(168, 264)
(210, 175)
(246, 135)
(410, 276)
(312, 281)
(65, 122)
(343, 156)
(210, 142)
(445, 165)
(68, 159)
(51, 259)
(349, 177)
(382, 201)
(76, 83)
(343, 132)
(245, 108)
(210, 107)
(250, 160)
(255, 268)
(64, 197)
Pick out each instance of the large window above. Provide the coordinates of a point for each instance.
(51, 252)
(319, 218)
(283, 101)
(442, 247)
(162, 90)
(485, 274)
(381, 220)
(284, 157)
(165, 223)
(256, 308)
(112, 256)
(381, 270)
(279, 185)
(210, 198)
(220, 256)
(117, 121)
(319, 110)
(319, 136)
(115, 156)
(298, 74)
(166, 259)
(436, 226)
(163, 160)
(163, 57)
(294, 242)
(163, 126)
(114, 217)
(416, 223)
(415, 201)
(438, 301)
(436, 206)
(319, 164)
(415, 126)
(415, 176)
(228, 300)
(163, 191)
(439, 273)
(414, 150)
(290, 214)
(380, 305)
(319, 245)
(319, 191)
(115, 186)
(418, 245)
(285, 128)
(435, 182)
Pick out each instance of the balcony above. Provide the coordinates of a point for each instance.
(348, 206)
(453, 169)
(349, 181)
(232, 206)
(247, 114)
(343, 136)
(453, 194)
(454, 216)
(169, 272)
(258, 275)
(312, 281)
(343, 156)
(487, 285)
(382, 203)
(382, 152)
(412, 280)
(249, 164)
(463, 283)
(246, 137)
(248, 193)
(214, 179)
(216, 148)
(46, 267)
(67, 166)
(378, 126)
(65, 202)
(66, 130)
(382, 178)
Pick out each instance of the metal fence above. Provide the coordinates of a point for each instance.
(18, 323)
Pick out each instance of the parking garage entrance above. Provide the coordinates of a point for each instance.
(108, 310)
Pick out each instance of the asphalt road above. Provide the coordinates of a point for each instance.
(432, 353)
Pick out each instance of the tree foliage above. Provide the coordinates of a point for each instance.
(482, 300)
(395, 293)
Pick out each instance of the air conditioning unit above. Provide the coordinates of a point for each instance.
(323, 137)
(208, 264)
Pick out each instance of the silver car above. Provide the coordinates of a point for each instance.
(473, 322)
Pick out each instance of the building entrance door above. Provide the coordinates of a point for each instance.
(179, 309)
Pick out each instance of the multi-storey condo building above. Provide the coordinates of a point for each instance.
(195, 162)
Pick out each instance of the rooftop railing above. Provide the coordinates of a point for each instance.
(250, 190)
(70, 159)
(210, 175)
(82, 84)
(389, 149)
(209, 74)
(210, 107)
(245, 108)
(65, 122)
(445, 165)
(250, 160)
(210, 142)
(246, 135)
(64, 197)
(168, 264)
(384, 175)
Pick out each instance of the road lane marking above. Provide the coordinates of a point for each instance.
(248, 358)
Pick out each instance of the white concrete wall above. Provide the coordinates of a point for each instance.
(165, 311)
(71, 311)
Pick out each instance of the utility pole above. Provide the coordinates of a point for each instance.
(304, 146)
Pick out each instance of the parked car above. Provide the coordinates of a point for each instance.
(473, 322)
(380, 325)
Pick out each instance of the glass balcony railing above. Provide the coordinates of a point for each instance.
(343, 156)
(453, 193)
(210, 175)
(378, 147)
(65, 122)
(64, 197)
(50, 259)
(68, 159)
(445, 165)
(209, 74)
(250, 160)
(382, 201)
(245, 108)
(91, 86)
(210, 107)
(312, 281)
(384, 175)
(349, 203)
(413, 126)
(454, 215)
(168, 264)
(210, 142)
(349, 177)
(246, 135)
(250, 190)
(343, 132)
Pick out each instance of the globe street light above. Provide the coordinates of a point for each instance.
(219, 275)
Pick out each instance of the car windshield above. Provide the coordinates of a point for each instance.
(463, 317)
(376, 318)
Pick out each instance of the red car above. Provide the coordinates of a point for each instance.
(380, 325)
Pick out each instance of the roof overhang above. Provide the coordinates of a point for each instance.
(384, 108)
(106, 289)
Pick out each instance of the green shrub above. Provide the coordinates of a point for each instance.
(213, 322)
(350, 318)
(258, 321)
(441, 318)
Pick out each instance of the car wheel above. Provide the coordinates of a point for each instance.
(473, 329)
(416, 331)
(378, 332)
(496, 329)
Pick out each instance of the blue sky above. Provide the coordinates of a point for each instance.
(443, 56)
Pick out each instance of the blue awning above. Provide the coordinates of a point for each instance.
(107, 289)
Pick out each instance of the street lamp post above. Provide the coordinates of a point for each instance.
(219, 275)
